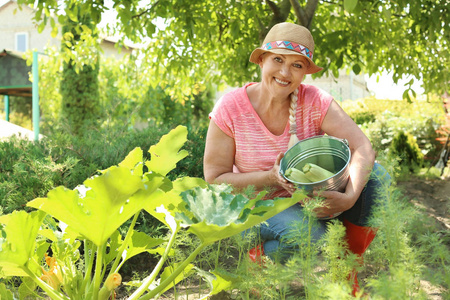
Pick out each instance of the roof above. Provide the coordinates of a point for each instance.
(115, 40)
(13, 2)
(14, 53)
(6, 3)
(14, 74)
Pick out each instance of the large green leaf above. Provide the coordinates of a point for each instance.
(134, 161)
(213, 205)
(5, 293)
(17, 242)
(140, 242)
(214, 214)
(112, 198)
(218, 281)
(171, 199)
(113, 245)
(166, 153)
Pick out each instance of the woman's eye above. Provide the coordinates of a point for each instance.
(278, 59)
(298, 66)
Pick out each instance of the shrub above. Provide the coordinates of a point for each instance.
(405, 147)
(30, 169)
(27, 171)
(382, 119)
(363, 117)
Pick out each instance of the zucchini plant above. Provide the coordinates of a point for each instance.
(43, 246)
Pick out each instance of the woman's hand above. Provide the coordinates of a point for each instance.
(334, 202)
(278, 179)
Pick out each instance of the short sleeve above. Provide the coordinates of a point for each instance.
(313, 104)
(320, 99)
(222, 116)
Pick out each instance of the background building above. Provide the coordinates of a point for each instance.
(18, 32)
(347, 86)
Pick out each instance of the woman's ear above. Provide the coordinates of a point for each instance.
(260, 60)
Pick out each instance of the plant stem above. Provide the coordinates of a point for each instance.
(55, 295)
(147, 281)
(175, 273)
(98, 270)
(218, 253)
(88, 257)
(115, 267)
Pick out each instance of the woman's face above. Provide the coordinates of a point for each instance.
(282, 74)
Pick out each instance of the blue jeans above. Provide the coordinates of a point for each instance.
(287, 231)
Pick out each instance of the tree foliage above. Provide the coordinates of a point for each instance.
(79, 85)
(193, 41)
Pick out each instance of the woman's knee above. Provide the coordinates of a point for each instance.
(380, 175)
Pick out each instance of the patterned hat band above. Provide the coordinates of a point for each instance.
(288, 45)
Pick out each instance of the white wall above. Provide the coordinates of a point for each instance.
(14, 20)
(347, 86)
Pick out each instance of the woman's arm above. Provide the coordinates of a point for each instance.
(219, 159)
(338, 124)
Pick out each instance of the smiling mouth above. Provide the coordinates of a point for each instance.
(281, 81)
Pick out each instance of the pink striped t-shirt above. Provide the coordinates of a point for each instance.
(256, 147)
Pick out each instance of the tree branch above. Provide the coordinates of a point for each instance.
(306, 15)
(299, 12)
(310, 9)
(280, 14)
(145, 11)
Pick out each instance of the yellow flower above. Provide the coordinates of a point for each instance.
(113, 281)
(53, 276)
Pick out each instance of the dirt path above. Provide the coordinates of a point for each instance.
(431, 195)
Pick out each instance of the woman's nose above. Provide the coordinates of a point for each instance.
(284, 70)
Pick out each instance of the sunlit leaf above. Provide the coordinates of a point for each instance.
(218, 281)
(26, 289)
(113, 245)
(72, 15)
(5, 293)
(41, 27)
(141, 242)
(134, 161)
(349, 5)
(171, 199)
(112, 199)
(166, 154)
(18, 240)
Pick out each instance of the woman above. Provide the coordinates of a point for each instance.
(251, 128)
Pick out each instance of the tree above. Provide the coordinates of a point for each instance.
(198, 41)
(79, 85)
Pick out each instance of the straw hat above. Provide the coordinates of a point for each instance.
(288, 38)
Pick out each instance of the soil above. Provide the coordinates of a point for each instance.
(431, 195)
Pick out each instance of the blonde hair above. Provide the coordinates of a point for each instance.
(292, 119)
